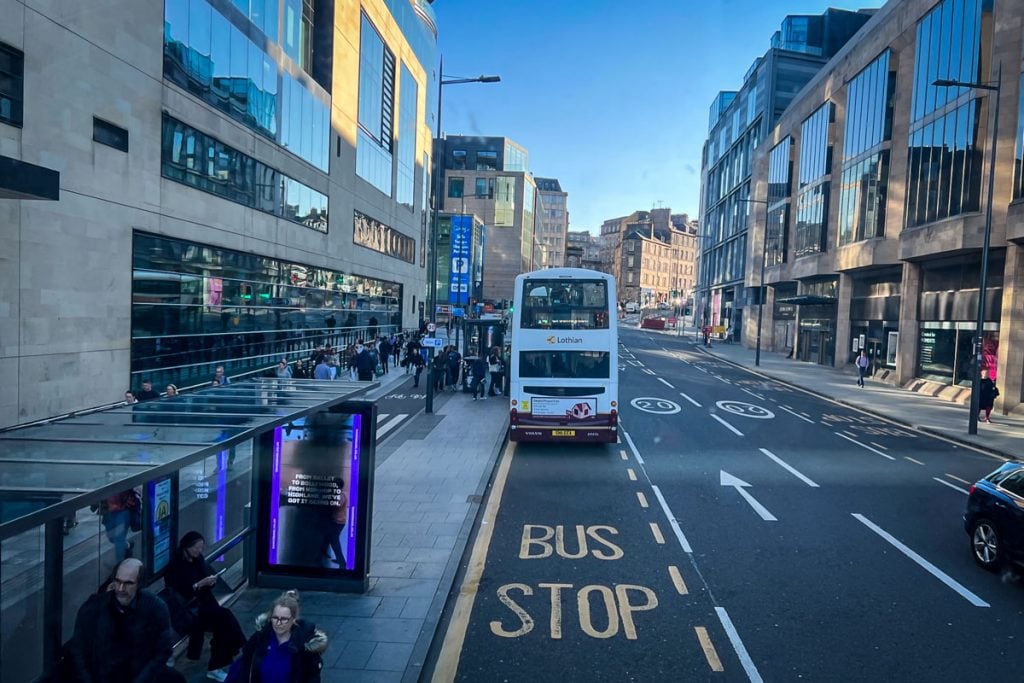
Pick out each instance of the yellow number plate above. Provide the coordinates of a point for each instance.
(563, 432)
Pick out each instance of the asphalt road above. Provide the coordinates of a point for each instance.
(742, 530)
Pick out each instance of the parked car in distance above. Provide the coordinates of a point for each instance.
(632, 307)
(994, 519)
(663, 306)
(653, 323)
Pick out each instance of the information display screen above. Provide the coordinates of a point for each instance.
(314, 516)
(162, 532)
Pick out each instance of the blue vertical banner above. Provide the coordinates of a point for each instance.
(462, 240)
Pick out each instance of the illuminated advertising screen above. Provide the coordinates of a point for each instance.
(162, 523)
(314, 513)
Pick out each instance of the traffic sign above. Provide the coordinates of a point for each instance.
(436, 342)
(458, 312)
(431, 327)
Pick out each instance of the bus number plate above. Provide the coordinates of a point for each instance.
(563, 432)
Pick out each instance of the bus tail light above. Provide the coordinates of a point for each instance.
(513, 417)
(615, 417)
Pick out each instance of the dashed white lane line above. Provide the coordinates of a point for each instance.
(865, 446)
(649, 371)
(665, 383)
(956, 478)
(748, 391)
(786, 467)
(925, 564)
(878, 445)
(737, 645)
(916, 462)
(952, 486)
(796, 415)
(722, 379)
(701, 369)
(672, 521)
(727, 425)
(689, 399)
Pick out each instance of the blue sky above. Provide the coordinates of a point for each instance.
(609, 97)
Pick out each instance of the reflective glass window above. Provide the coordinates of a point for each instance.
(456, 187)
(408, 94)
(376, 91)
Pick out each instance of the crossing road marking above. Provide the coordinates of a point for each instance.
(665, 383)
(709, 649)
(727, 425)
(873, 450)
(383, 429)
(656, 530)
(952, 486)
(642, 498)
(689, 399)
(925, 564)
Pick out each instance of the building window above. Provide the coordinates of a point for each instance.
(456, 187)
(485, 188)
(780, 171)
(12, 85)
(458, 159)
(194, 158)
(486, 160)
(110, 135)
(405, 193)
(515, 159)
(815, 167)
(948, 46)
(505, 202)
(376, 103)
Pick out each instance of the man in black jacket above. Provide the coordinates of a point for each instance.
(123, 635)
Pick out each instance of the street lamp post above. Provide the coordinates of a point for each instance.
(432, 264)
(972, 422)
(761, 287)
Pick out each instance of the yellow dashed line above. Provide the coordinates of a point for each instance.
(677, 579)
(642, 498)
(956, 478)
(917, 462)
(709, 649)
(623, 454)
(631, 473)
(656, 530)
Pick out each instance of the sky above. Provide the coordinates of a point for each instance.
(609, 97)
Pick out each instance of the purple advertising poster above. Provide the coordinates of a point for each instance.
(313, 494)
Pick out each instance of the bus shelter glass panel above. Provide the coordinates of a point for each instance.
(22, 606)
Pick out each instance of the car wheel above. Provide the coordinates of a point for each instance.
(985, 545)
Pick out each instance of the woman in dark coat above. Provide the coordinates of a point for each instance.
(988, 395)
(191, 577)
(284, 649)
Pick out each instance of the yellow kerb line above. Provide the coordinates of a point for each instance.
(656, 530)
(709, 649)
(642, 498)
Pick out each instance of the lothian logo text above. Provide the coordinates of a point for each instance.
(564, 340)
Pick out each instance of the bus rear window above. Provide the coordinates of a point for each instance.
(565, 305)
(565, 364)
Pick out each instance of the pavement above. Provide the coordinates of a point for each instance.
(934, 415)
(431, 476)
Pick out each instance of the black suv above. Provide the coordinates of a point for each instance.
(994, 518)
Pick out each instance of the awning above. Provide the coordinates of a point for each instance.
(808, 300)
(22, 180)
(63, 465)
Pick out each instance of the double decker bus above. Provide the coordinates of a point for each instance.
(564, 369)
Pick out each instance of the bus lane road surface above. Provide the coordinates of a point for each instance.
(833, 538)
(577, 575)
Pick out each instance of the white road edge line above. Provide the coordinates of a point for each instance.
(873, 450)
(796, 414)
(727, 425)
(632, 446)
(689, 399)
(925, 564)
(737, 645)
(665, 383)
(952, 486)
(672, 521)
(786, 467)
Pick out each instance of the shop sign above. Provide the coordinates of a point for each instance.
(372, 234)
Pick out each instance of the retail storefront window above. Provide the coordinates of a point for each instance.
(945, 351)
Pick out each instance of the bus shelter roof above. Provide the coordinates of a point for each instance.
(57, 467)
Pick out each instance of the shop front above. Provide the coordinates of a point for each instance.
(817, 304)
(874, 318)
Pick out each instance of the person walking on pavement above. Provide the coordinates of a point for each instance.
(384, 352)
(417, 364)
(412, 348)
(479, 373)
(497, 370)
(454, 364)
(322, 369)
(364, 364)
(988, 394)
(283, 370)
(123, 633)
(439, 370)
(862, 367)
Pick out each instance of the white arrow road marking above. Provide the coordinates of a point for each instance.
(786, 467)
(873, 450)
(925, 564)
(689, 399)
(666, 383)
(727, 425)
(740, 486)
(952, 486)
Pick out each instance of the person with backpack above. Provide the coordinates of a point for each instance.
(284, 649)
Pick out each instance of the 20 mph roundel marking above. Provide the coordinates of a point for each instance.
(658, 406)
(746, 410)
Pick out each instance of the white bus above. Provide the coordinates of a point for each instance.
(564, 370)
